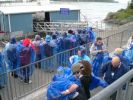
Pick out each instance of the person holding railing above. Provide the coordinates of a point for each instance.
(112, 71)
(97, 50)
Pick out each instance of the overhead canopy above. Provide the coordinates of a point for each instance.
(33, 9)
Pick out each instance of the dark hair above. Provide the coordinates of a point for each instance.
(99, 38)
(87, 70)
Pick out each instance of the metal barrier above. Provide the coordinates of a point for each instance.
(15, 89)
(122, 88)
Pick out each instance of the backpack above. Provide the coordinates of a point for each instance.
(48, 50)
(25, 55)
(12, 53)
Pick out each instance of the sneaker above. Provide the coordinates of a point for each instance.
(28, 82)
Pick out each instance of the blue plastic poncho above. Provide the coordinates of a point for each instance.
(106, 58)
(11, 58)
(77, 58)
(96, 81)
(28, 70)
(62, 72)
(3, 74)
(96, 63)
(91, 35)
(55, 88)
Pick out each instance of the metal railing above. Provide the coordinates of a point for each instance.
(65, 26)
(58, 26)
(121, 88)
(15, 89)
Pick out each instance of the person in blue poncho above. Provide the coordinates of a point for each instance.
(91, 35)
(81, 56)
(62, 87)
(11, 56)
(88, 81)
(54, 44)
(97, 50)
(47, 50)
(3, 75)
(37, 42)
(119, 52)
(26, 56)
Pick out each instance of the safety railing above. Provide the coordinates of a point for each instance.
(16, 88)
(121, 89)
(58, 26)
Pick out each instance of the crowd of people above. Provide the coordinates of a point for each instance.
(83, 74)
(17, 54)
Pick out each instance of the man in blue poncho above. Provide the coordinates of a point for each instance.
(97, 51)
(11, 56)
(81, 56)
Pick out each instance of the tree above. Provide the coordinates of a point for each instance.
(131, 4)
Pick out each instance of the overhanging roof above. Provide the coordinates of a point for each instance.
(34, 9)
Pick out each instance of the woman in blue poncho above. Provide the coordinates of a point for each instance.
(81, 56)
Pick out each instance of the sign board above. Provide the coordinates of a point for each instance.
(64, 11)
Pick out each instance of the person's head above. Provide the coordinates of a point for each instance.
(70, 32)
(48, 38)
(76, 69)
(54, 36)
(13, 40)
(81, 51)
(99, 41)
(26, 42)
(118, 51)
(86, 69)
(116, 62)
(82, 68)
(37, 37)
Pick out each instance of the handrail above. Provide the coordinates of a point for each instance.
(108, 91)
